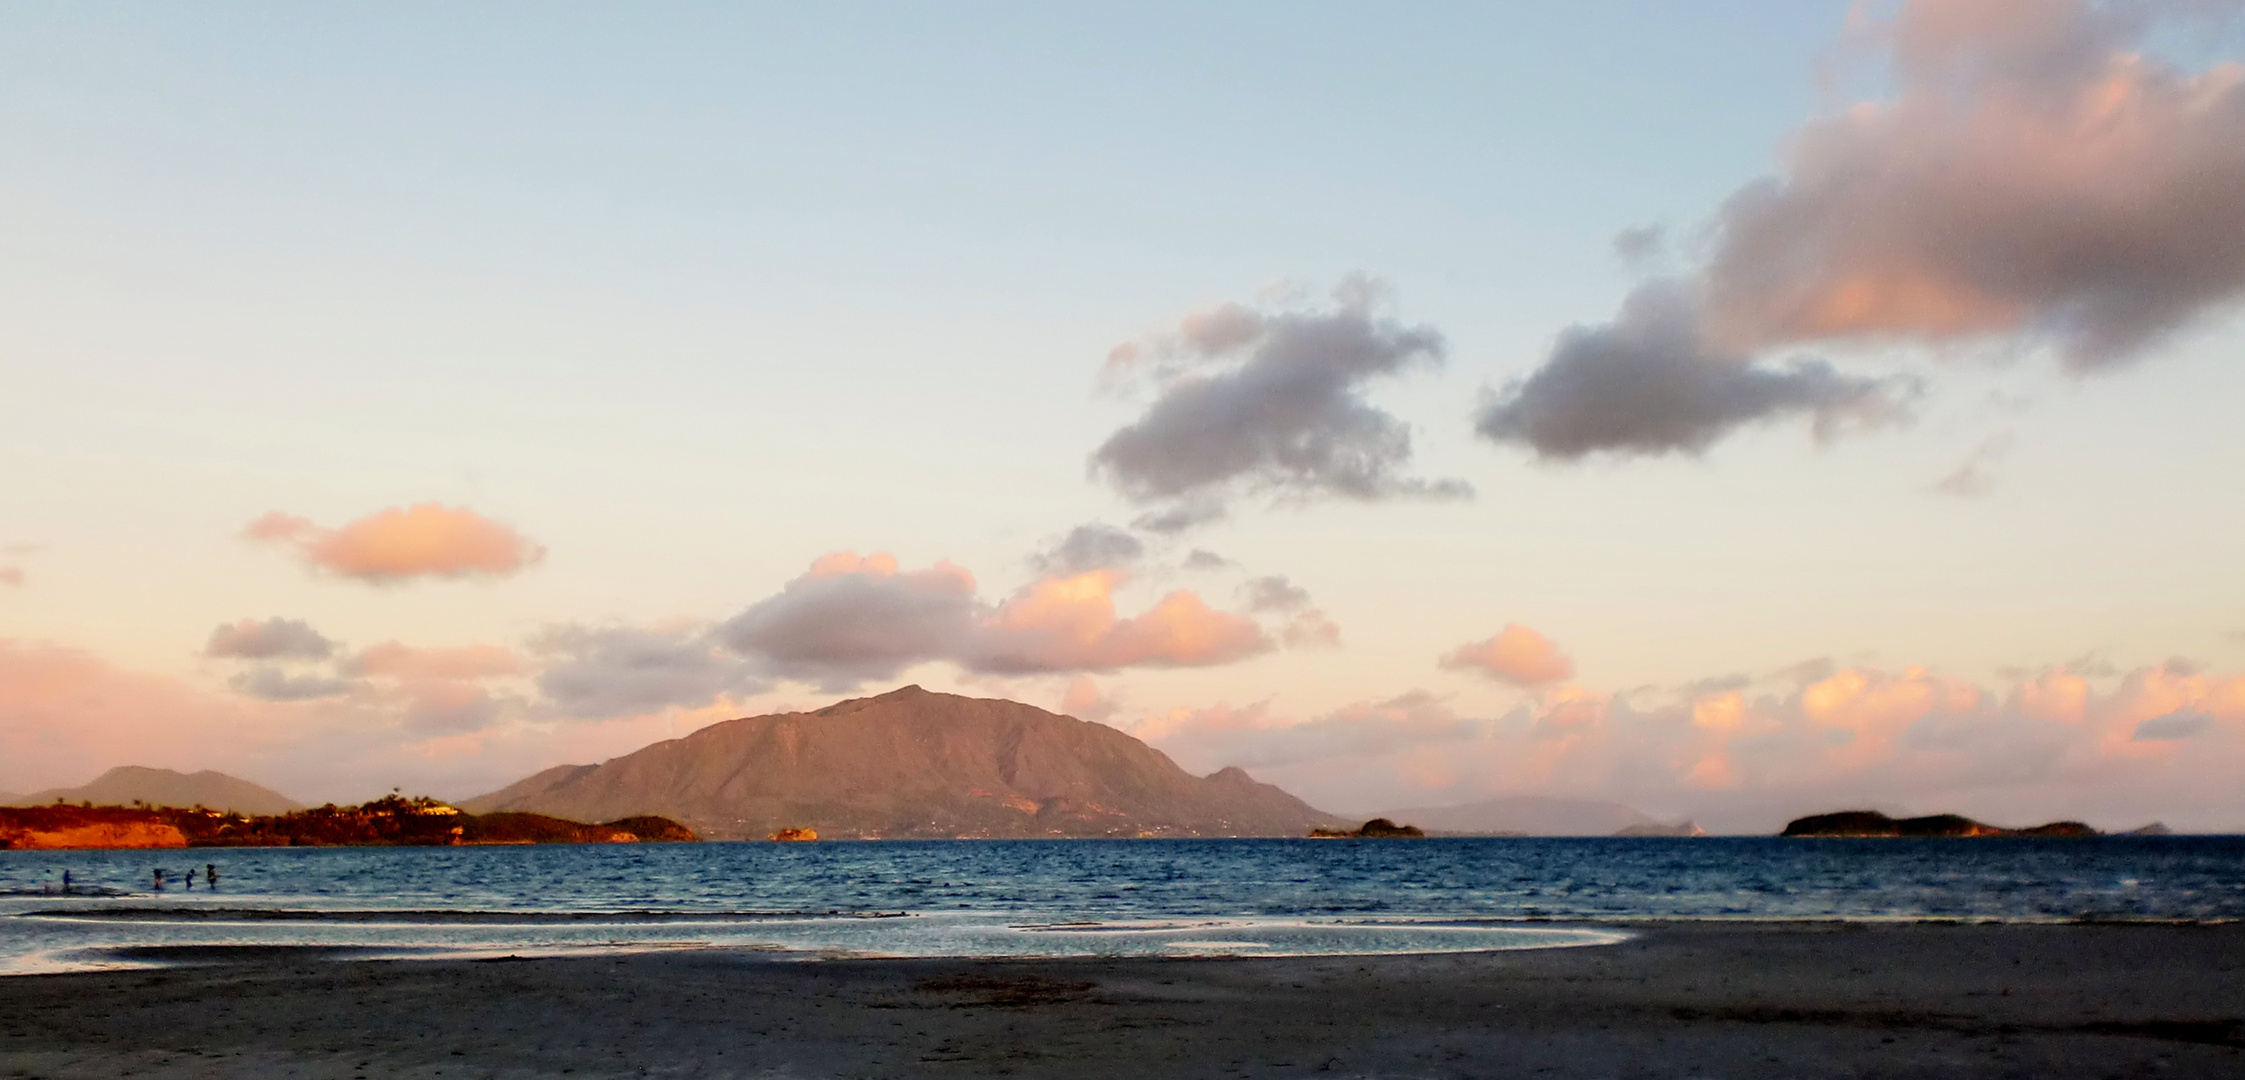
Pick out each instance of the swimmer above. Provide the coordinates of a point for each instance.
(159, 879)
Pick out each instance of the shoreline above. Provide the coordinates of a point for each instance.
(1736, 999)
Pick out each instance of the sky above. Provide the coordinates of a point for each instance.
(1735, 410)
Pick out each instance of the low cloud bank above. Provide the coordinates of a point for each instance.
(2163, 742)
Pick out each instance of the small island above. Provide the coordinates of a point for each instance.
(390, 821)
(1378, 827)
(1873, 823)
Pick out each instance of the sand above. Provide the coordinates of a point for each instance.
(1698, 1000)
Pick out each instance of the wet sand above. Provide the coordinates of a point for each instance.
(1683, 999)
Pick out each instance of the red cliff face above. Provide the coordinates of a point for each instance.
(95, 834)
(914, 764)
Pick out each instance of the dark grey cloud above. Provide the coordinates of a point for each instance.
(839, 628)
(1646, 384)
(2174, 726)
(597, 672)
(1089, 547)
(274, 684)
(1271, 403)
(1179, 516)
(268, 639)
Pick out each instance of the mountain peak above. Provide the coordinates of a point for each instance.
(166, 787)
(912, 763)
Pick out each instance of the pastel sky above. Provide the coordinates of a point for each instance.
(1737, 410)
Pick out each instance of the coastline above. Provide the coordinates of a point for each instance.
(1738, 999)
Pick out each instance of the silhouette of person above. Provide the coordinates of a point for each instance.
(210, 874)
(66, 882)
(159, 879)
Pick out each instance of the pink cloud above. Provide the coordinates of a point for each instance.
(2159, 742)
(402, 543)
(852, 618)
(1069, 624)
(2035, 173)
(466, 662)
(10, 575)
(67, 715)
(1516, 655)
(2038, 178)
(1084, 701)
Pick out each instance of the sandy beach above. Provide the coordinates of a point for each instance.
(1681, 999)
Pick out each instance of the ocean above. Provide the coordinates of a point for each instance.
(1061, 897)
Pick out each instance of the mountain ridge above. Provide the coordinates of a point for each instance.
(126, 784)
(912, 764)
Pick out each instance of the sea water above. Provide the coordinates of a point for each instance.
(1051, 898)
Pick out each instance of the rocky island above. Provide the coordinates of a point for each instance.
(1873, 823)
(1378, 827)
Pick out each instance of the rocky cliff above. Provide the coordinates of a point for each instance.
(911, 764)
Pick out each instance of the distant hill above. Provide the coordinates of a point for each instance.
(1534, 815)
(911, 764)
(163, 787)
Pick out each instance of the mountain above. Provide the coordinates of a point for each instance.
(1527, 815)
(163, 787)
(911, 764)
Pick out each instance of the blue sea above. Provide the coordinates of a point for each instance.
(1053, 898)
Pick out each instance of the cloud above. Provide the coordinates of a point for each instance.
(275, 684)
(1251, 737)
(68, 715)
(1271, 403)
(1516, 655)
(1083, 701)
(1274, 593)
(1647, 384)
(1203, 559)
(1640, 243)
(1305, 626)
(461, 663)
(1190, 513)
(1974, 477)
(2173, 726)
(2036, 174)
(402, 543)
(593, 672)
(2150, 743)
(1090, 547)
(11, 575)
(2036, 178)
(1069, 624)
(854, 618)
(268, 639)
(851, 619)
